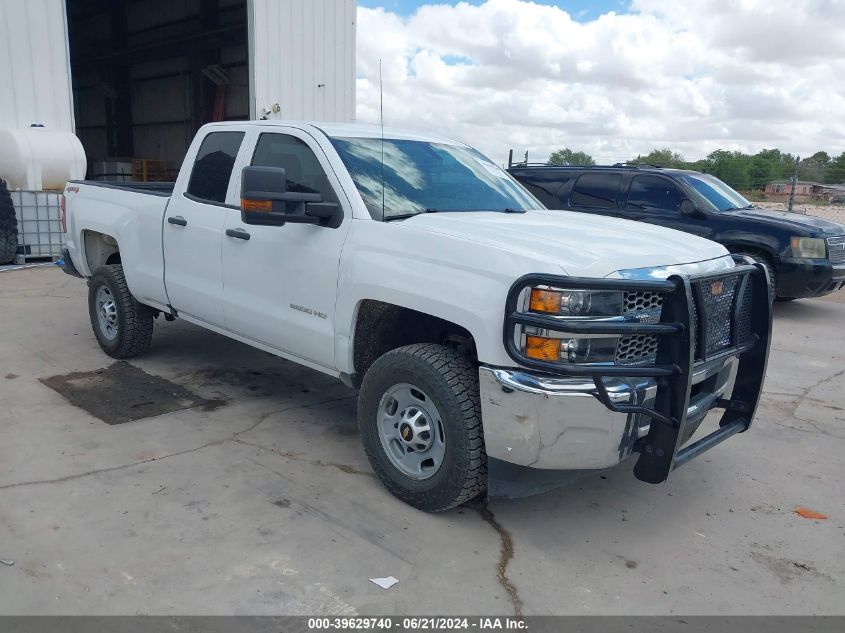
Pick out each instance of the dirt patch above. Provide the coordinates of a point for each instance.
(124, 393)
(785, 569)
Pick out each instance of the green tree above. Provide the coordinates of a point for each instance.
(662, 158)
(567, 156)
(835, 172)
(730, 167)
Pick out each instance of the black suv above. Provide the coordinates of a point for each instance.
(805, 255)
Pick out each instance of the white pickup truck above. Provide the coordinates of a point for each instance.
(495, 344)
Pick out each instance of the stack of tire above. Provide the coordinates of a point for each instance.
(8, 226)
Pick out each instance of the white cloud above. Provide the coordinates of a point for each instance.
(693, 76)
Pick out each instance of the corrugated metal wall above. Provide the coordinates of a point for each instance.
(303, 58)
(34, 67)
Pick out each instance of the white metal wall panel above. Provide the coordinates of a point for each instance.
(34, 65)
(302, 57)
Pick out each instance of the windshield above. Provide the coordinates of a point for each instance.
(716, 192)
(421, 177)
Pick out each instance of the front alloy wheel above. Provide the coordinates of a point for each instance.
(411, 431)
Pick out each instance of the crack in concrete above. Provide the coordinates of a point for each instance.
(505, 557)
(800, 399)
(805, 395)
(298, 457)
(218, 442)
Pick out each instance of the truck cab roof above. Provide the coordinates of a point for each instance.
(347, 130)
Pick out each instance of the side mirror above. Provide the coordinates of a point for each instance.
(688, 208)
(265, 201)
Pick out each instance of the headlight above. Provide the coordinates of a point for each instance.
(575, 302)
(809, 247)
(556, 347)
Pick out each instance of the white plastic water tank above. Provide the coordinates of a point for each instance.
(38, 158)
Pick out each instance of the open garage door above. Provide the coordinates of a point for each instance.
(147, 74)
(302, 59)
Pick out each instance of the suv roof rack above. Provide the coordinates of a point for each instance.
(633, 163)
(630, 164)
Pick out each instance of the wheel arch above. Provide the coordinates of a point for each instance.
(380, 327)
(99, 249)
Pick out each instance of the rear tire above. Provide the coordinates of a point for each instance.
(123, 327)
(419, 405)
(8, 226)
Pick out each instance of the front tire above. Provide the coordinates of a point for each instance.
(123, 327)
(770, 268)
(419, 415)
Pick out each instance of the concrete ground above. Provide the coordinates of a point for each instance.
(267, 505)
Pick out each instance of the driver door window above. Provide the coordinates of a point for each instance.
(302, 169)
(653, 192)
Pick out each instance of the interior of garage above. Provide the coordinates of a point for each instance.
(147, 74)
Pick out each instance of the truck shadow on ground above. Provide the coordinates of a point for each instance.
(302, 415)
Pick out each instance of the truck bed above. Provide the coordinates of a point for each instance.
(164, 189)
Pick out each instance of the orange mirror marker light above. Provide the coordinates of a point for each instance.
(256, 205)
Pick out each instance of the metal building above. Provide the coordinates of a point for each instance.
(134, 79)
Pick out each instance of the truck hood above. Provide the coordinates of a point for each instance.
(802, 225)
(583, 245)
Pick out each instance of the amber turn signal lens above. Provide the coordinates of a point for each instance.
(257, 205)
(544, 301)
(541, 348)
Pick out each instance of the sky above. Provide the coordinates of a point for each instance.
(613, 78)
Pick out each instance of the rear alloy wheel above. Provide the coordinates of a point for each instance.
(420, 420)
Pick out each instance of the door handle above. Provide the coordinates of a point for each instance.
(239, 234)
(178, 220)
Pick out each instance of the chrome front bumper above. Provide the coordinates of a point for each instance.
(544, 422)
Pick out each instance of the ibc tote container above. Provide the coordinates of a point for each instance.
(39, 216)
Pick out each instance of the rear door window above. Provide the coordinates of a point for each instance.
(213, 166)
(653, 192)
(596, 190)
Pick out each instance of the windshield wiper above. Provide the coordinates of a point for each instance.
(405, 216)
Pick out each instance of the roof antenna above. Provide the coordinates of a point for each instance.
(381, 122)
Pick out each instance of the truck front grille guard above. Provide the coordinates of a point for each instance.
(684, 315)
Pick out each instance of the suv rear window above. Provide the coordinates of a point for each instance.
(598, 191)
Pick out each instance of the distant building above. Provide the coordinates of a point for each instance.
(804, 189)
